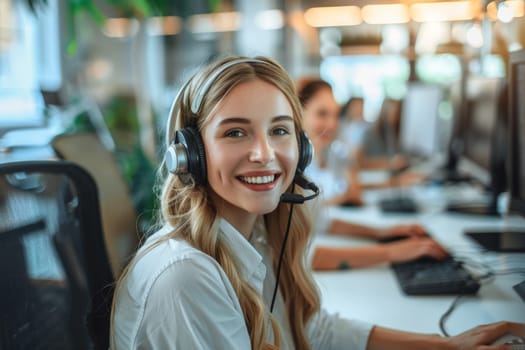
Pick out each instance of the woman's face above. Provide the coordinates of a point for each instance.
(251, 150)
(321, 118)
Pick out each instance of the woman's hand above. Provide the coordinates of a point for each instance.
(481, 337)
(408, 230)
(414, 248)
(408, 178)
(478, 338)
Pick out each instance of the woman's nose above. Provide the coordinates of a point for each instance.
(262, 151)
(333, 123)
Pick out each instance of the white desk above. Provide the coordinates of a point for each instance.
(373, 294)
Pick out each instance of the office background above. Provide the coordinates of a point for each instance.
(113, 67)
(139, 52)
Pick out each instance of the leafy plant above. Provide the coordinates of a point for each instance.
(125, 8)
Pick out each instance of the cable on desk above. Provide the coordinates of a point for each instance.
(488, 276)
(447, 313)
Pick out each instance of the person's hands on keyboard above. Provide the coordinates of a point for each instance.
(404, 243)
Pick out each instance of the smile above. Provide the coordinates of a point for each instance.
(258, 180)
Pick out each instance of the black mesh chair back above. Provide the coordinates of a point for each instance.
(55, 276)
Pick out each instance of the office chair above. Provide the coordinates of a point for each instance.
(119, 217)
(56, 278)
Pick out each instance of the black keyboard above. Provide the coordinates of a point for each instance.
(427, 276)
(398, 205)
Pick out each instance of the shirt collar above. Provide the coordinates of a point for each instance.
(250, 260)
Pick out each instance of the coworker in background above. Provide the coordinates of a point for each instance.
(380, 149)
(333, 161)
(353, 124)
(321, 122)
(206, 279)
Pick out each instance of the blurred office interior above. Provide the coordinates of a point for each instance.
(92, 82)
(115, 66)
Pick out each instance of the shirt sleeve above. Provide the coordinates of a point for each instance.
(331, 332)
(191, 305)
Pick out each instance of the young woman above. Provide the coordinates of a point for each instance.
(321, 123)
(206, 280)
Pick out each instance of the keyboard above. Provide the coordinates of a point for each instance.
(398, 205)
(428, 276)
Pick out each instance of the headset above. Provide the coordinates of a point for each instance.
(185, 154)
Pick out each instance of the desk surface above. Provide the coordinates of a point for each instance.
(373, 294)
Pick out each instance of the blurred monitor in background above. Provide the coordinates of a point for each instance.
(511, 238)
(516, 164)
(419, 133)
(478, 127)
(21, 108)
(483, 144)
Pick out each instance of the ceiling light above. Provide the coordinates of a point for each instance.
(333, 16)
(443, 11)
(475, 36)
(504, 13)
(167, 25)
(385, 14)
(515, 7)
(120, 27)
(215, 22)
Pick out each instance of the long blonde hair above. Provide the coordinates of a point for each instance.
(189, 209)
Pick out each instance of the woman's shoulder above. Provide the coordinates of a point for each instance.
(169, 259)
(167, 274)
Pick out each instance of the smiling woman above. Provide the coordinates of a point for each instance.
(233, 149)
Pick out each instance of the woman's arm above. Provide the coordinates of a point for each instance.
(333, 258)
(476, 338)
(347, 228)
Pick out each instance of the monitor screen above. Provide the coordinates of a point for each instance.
(477, 127)
(516, 167)
(21, 109)
(509, 240)
(419, 133)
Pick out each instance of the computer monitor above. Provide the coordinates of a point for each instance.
(511, 239)
(516, 164)
(21, 109)
(478, 128)
(419, 129)
(481, 134)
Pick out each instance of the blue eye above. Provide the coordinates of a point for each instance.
(234, 133)
(280, 131)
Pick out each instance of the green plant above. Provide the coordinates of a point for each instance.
(125, 8)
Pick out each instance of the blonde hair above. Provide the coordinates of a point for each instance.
(189, 209)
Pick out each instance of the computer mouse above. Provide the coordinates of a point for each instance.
(517, 343)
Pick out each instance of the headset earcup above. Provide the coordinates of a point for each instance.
(192, 160)
(306, 152)
(171, 159)
(197, 156)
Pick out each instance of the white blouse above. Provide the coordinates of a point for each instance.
(177, 297)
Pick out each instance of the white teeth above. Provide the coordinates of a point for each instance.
(258, 179)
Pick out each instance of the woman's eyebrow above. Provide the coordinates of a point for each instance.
(240, 120)
(282, 118)
(235, 120)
